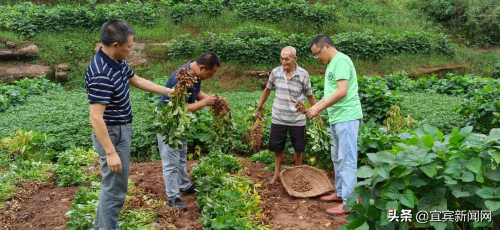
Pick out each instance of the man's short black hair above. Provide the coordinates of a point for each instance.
(209, 60)
(115, 30)
(321, 40)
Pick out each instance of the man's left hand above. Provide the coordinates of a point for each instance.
(312, 112)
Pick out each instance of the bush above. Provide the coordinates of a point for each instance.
(432, 109)
(73, 165)
(276, 10)
(225, 202)
(247, 43)
(376, 98)
(182, 48)
(496, 74)
(11, 95)
(428, 171)
(29, 19)
(371, 45)
(482, 110)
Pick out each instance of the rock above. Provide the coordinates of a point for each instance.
(26, 52)
(31, 49)
(62, 76)
(10, 45)
(259, 73)
(441, 71)
(62, 67)
(10, 73)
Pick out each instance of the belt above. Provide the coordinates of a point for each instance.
(119, 123)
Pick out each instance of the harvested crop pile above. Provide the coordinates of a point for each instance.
(301, 185)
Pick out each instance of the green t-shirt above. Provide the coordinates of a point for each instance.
(349, 107)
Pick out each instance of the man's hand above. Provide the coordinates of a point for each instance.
(114, 162)
(312, 112)
(209, 100)
(258, 114)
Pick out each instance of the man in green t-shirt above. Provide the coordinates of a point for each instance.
(341, 100)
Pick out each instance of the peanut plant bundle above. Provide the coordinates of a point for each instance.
(173, 120)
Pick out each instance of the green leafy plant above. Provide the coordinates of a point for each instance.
(319, 143)
(29, 19)
(396, 120)
(226, 202)
(264, 156)
(72, 167)
(173, 120)
(482, 110)
(20, 90)
(426, 170)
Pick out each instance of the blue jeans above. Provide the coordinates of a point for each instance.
(345, 156)
(114, 185)
(174, 167)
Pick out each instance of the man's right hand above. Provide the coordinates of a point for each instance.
(209, 100)
(257, 115)
(114, 162)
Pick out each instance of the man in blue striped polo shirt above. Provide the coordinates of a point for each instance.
(293, 84)
(107, 83)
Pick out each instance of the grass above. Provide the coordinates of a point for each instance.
(432, 109)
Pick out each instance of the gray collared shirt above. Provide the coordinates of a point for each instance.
(288, 93)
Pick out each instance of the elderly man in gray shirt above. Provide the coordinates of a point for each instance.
(293, 84)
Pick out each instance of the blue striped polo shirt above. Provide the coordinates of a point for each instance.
(172, 82)
(106, 82)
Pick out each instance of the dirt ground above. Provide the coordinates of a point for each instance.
(42, 206)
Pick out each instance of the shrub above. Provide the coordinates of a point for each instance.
(73, 165)
(19, 91)
(428, 171)
(376, 98)
(482, 110)
(29, 19)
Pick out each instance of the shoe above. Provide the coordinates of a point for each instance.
(339, 210)
(176, 202)
(330, 198)
(188, 191)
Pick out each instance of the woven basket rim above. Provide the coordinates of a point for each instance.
(316, 177)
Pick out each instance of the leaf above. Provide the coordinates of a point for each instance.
(386, 157)
(412, 141)
(408, 198)
(486, 193)
(494, 175)
(492, 205)
(438, 225)
(468, 177)
(402, 171)
(393, 204)
(429, 170)
(455, 132)
(383, 172)
(479, 178)
(430, 129)
(492, 137)
(474, 165)
(496, 156)
(364, 172)
(458, 193)
(465, 130)
(417, 182)
(391, 193)
(428, 140)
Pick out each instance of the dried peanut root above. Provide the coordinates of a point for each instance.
(301, 185)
